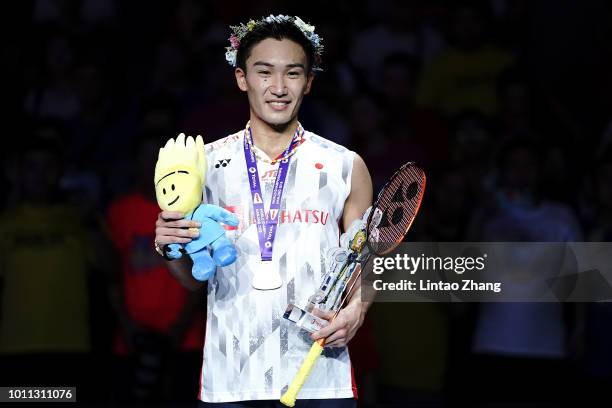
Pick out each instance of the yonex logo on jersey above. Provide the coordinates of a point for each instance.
(222, 163)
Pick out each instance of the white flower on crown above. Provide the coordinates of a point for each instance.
(230, 56)
(303, 26)
(277, 19)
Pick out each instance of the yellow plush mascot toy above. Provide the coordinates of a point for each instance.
(180, 174)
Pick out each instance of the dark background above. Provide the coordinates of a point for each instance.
(505, 103)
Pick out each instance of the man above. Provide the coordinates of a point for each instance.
(52, 251)
(531, 364)
(157, 316)
(251, 352)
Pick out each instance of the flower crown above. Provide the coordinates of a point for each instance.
(240, 31)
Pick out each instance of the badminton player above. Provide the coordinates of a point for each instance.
(310, 189)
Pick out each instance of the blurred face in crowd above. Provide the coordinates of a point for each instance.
(521, 170)
(470, 139)
(398, 83)
(365, 115)
(41, 171)
(60, 56)
(89, 84)
(516, 100)
(468, 27)
(275, 81)
(451, 195)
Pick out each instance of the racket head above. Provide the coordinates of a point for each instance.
(395, 209)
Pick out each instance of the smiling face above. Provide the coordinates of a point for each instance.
(179, 190)
(275, 81)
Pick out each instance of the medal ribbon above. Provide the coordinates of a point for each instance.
(266, 226)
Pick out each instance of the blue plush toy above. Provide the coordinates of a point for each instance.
(180, 173)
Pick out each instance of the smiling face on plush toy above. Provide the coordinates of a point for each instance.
(180, 190)
(180, 172)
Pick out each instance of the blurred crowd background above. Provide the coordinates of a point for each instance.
(506, 103)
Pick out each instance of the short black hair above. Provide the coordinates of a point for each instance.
(278, 30)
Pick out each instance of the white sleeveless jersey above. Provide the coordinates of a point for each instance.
(251, 352)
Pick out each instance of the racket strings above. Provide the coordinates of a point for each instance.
(398, 203)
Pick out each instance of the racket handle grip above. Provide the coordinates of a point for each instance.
(290, 396)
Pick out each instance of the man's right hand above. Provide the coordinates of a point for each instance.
(172, 228)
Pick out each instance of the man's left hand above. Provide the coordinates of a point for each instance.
(343, 328)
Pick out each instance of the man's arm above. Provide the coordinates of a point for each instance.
(360, 197)
(171, 228)
(349, 319)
